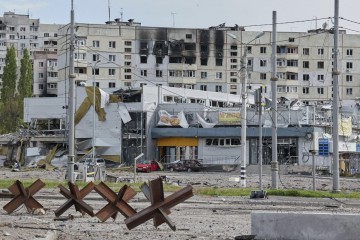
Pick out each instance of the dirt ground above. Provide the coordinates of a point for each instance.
(199, 217)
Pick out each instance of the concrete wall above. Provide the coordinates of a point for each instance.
(305, 225)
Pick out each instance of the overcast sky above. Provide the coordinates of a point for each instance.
(194, 13)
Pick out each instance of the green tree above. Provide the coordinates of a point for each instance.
(11, 115)
(9, 76)
(24, 85)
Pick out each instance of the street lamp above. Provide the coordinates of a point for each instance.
(243, 69)
(94, 113)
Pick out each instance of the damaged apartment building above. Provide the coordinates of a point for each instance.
(153, 69)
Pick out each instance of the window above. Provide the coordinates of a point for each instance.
(127, 43)
(320, 51)
(320, 77)
(305, 90)
(263, 76)
(249, 49)
(22, 29)
(41, 64)
(306, 77)
(233, 47)
(349, 65)
(159, 60)
(233, 87)
(203, 61)
(41, 86)
(218, 75)
(219, 61)
(111, 71)
(96, 57)
(143, 59)
(292, 63)
(79, 56)
(112, 44)
(292, 50)
(320, 65)
(12, 37)
(203, 87)
(127, 70)
(306, 64)
(291, 76)
(127, 57)
(159, 73)
(127, 84)
(349, 52)
(320, 90)
(95, 71)
(233, 74)
(188, 36)
(111, 85)
(349, 91)
(233, 80)
(234, 60)
(262, 63)
(291, 39)
(96, 43)
(188, 73)
(233, 66)
(218, 88)
(203, 75)
(143, 73)
(128, 77)
(233, 54)
(349, 78)
(12, 29)
(112, 58)
(41, 75)
(262, 49)
(52, 85)
(175, 73)
(249, 62)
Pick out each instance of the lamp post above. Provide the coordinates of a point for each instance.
(94, 114)
(243, 69)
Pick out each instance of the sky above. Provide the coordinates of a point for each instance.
(195, 13)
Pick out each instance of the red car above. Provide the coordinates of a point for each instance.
(147, 166)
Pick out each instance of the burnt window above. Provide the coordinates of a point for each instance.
(190, 46)
(219, 61)
(143, 59)
(204, 48)
(203, 61)
(159, 60)
(175, 59)
(188, 36)
(190, 60)
(233, 47)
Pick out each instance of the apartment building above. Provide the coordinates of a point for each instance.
(23, 32)
(126, 54)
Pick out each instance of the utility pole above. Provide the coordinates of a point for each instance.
(336, 73)
(258, 99)
(274, 162)
(71, 109)
(243, 118)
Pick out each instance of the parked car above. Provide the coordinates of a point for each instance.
(147, 166)
(184, 165)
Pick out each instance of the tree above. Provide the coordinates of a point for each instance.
(9, 76)
(24, 85)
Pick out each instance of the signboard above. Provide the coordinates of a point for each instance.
(230, 117)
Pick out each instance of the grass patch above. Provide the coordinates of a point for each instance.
(206, 191)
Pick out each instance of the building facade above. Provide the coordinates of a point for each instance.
(23, 32)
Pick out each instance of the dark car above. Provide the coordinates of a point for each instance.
(184, 165)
